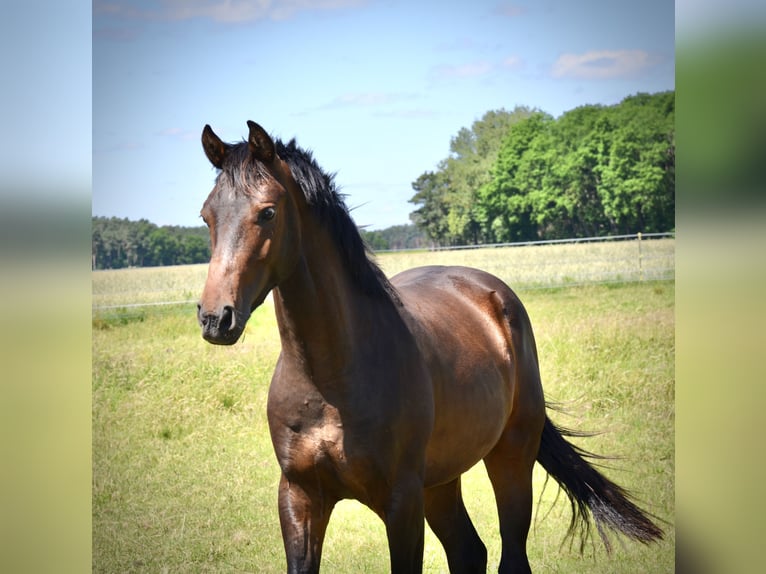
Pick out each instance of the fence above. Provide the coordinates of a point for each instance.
(555, 263)
(524, 266)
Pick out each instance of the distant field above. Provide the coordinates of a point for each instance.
(531, 266)
(184, 477)
(522, 267)
(115, 287)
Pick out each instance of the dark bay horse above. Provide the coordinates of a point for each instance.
(385, 391)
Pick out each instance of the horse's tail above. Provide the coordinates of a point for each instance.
(588, 489)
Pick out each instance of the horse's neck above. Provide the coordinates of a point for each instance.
(321, 314)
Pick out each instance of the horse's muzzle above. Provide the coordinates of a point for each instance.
(221, 327)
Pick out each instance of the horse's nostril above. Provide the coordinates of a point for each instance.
(228, 319)
(221, 326)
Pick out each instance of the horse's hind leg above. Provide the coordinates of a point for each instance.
(509, 466)
(510, 462)
(449, 520)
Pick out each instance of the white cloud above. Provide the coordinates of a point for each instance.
(601, 64)
(512, 62)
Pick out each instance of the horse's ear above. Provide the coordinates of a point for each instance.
(215, 149)
(260, 143)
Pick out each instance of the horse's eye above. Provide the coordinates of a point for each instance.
(267, 214)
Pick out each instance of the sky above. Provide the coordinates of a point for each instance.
(375, 88)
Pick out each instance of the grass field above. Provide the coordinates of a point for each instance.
(528, 266)
(184, 478)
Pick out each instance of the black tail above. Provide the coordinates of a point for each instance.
(588, 489)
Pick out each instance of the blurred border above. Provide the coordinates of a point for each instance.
(45, 390)
(721, 284)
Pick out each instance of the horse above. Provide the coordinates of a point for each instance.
(385, 391)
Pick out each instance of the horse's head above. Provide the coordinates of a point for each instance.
(254, 231)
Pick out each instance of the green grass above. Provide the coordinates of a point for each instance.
(530, 266)
(185, 480)
(148, 285)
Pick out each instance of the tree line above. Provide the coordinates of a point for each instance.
(396, 237)
(523, 175)
(120, 243)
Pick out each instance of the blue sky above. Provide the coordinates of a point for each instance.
(375, 88)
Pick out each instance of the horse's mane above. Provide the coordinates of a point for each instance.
(327, 203)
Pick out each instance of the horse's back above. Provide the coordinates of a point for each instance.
(473, 332)
(464, 299)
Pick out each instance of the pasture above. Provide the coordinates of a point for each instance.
(184, 477)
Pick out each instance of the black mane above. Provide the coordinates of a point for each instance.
(328, 204)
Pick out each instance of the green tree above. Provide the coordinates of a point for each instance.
(376, 240)
(593, 171)
(431, 216)
(569, 204)
(504, 203)
(396, 237)
(163, 247)
(119, 243)
(638, 188)
(194, 249)
(451, 193)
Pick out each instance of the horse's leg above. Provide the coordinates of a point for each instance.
(449, 520)
(304, 520)
(403, 516)
(509, 466)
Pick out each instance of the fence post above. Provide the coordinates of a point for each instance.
(640, 260)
